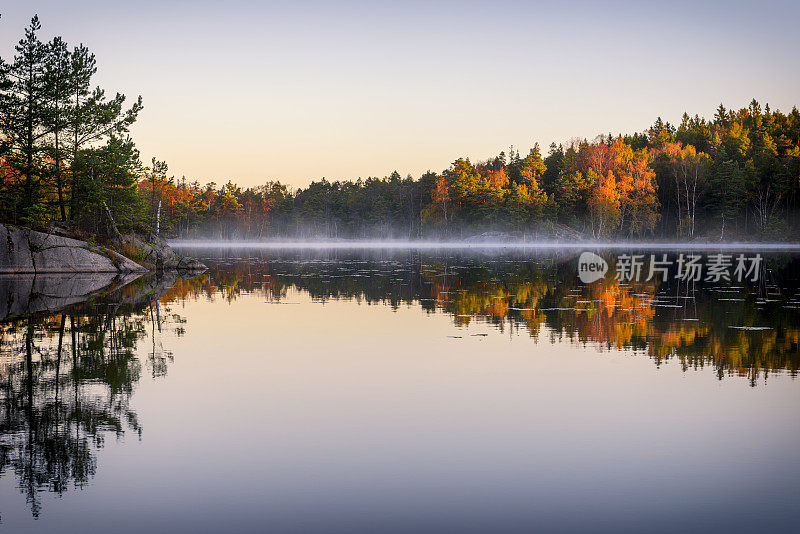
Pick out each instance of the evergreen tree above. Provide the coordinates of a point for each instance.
(93, 117)
(58, 83)
(23, 110)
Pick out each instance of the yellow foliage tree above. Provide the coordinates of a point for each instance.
(604, 204)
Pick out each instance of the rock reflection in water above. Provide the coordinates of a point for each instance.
(68, 368)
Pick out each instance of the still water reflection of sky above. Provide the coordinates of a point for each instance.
(296, 400)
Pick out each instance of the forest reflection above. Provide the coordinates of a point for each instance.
(748, 330)
(68, 371)
(66, 380)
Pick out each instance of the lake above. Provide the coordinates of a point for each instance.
(406, 390)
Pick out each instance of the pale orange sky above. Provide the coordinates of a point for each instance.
(250, 91)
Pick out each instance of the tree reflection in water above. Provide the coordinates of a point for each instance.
(66, 381)
(748, 330)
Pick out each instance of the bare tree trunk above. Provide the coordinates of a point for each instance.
(694, 198)
(59, 184)
(678, 200)
(158, 218)
(688, 205)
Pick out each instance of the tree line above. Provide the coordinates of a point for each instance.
(66, 158)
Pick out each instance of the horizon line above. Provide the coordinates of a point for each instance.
(455, 245)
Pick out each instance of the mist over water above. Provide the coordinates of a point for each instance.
(477, 245)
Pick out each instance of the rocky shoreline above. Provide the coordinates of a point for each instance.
(24, 251)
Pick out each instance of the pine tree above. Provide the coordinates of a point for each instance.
(93, 117)
(57, 79)
(22, 107)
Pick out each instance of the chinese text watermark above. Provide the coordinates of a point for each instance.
(686, 267)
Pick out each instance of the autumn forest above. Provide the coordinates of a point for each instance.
(67, 159)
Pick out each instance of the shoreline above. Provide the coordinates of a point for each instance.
(28, 251)
(455, 245)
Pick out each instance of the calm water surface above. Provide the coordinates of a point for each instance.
(399, 391)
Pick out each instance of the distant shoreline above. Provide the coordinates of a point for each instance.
(455, 245)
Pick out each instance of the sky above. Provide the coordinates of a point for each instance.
(297, 91)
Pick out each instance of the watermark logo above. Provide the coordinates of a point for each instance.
(686, 267)
(591, 267)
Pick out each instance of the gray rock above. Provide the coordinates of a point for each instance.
(157, 254)
(190, 264)
(15, 254)
(71, 259)
(28, 251)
